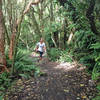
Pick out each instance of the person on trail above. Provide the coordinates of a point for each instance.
(41, 48)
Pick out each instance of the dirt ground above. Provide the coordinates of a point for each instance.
(61, 81)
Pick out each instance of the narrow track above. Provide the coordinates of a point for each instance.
(63, 81)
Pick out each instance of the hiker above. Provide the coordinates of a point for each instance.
(40, 48)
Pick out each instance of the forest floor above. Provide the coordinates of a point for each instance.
(61, 81)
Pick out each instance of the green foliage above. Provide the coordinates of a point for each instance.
(98, 87)
(95, 46)
(5, 82)
(96, 98)
(98, 95)
(96, 69)
(26, 76)
(81, 47)
(54, 54)
(59, 55)
(85, 46)
(65, 57)
(49, 31)
(96, 72)
(90, 47)
(24, 65)
(84, 42)
(1, 97)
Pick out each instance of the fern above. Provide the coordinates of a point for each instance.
(5, 81)
(95, 46)
(95, 72)
(65, 57)
(26, 76)
(54, 54)
(24, 64)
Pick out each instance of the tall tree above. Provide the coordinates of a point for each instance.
(91, 17)
(2, 42)
(16, 29)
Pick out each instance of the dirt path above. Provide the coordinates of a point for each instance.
(61, 82)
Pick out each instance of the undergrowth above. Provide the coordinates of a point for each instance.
(24, 67)
(59, 55)
(65, 56)
(54, 54)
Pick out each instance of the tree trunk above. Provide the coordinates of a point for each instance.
(35, 24)
(2, 42)
(90, 16)
(71, 8)
(16, 30)
(65, 32)
(56, 38)
(51, 12)
(65, 38)
(16, 33)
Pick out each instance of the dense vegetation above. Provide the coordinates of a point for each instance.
(70, 28)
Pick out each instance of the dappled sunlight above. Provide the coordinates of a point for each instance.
(49, 49)
(34, 54)
(20, 1)
(67, 66)
(64, 66)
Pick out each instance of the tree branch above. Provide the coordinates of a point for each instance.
(29, 5)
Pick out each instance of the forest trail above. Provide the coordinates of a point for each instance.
(64, 81)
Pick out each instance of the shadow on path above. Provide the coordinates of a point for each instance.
(64, 81)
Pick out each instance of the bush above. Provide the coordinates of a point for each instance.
(5, 82)
(59, 55)
(96, 56)
(54, 54)
(24, 65)
(65, 57)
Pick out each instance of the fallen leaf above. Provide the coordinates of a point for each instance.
(46, 90)
(83, 97)
(78, 98)
(19, 82)
(66, 90)
(81, 85)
